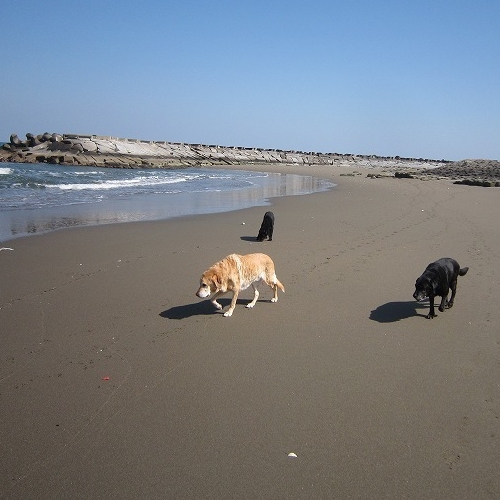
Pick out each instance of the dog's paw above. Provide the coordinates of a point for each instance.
(217, 305)
(446, 305)
(274, 299)
(431, 316)
(249, 306)
(228, 313)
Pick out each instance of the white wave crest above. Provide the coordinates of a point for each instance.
(117, 184)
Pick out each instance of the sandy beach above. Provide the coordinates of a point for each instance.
(117, 382)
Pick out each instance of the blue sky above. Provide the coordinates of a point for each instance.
(393, 77)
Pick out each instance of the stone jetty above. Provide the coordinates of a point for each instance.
(104, 151)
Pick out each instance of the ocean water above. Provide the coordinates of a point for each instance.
(38, 198)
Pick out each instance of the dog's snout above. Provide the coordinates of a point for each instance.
(203, 291)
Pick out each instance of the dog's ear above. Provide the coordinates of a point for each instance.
(433, 285)
(217, 281)
(430, 285)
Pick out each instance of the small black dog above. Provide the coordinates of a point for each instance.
(266, 228)
(437, 279)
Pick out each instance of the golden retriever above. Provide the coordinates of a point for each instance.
(235, 273)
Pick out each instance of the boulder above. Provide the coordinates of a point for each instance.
(15, 141)
(89, 146)
(32, 140)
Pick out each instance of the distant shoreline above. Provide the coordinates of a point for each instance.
(105, 151)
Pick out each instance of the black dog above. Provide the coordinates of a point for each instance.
(437, 279)
(267, 227)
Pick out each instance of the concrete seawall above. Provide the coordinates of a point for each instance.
(101, 151)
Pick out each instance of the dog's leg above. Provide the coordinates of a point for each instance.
(274, 283)
(453, 293)
(275, 288)
(214, 300)
(255, 295)
(432, 313)
(444, 301)
(229, 312)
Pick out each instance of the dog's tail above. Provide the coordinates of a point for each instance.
(463, 271)
(279, 285)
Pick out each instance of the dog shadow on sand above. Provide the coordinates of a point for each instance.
(397, 311)
(386, 313)
(202, 308)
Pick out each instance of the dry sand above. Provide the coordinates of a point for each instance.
(116, 382)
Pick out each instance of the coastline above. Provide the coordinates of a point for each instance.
(151, 197)
(117, 382)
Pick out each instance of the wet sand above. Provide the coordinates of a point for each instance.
(117, 382)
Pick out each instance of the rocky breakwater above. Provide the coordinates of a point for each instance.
(92, 150)
(100, 151)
